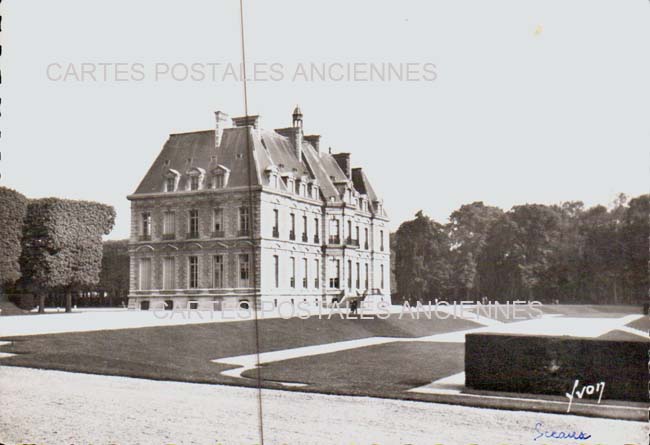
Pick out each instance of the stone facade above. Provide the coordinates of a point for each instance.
(302, 226)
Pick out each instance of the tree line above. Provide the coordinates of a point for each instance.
(565, 252)
(51, 245)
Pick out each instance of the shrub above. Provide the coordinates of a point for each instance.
(62, 243)
(13, 206)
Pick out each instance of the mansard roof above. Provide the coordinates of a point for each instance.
(269, 150)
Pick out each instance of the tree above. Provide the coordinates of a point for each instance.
(114, 275)
(13, 207)
(421, 259)
(519, 250)
(634, 241)
(468, 229)
(62, 245)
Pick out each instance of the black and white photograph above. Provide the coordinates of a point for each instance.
(365, 223)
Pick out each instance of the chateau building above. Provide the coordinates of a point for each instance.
(239, 214)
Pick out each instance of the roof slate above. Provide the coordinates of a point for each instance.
(184, 151)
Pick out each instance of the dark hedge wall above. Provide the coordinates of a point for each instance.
(13, 206)
(550, 365)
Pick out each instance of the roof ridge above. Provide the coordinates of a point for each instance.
(190, 132)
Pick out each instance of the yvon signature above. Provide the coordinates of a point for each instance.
(598, 388)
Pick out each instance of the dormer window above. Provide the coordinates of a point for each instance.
(170, 184)
(196, 175)
(194, 182)
(218, 182)
(272, 174)
(220, 177)
(171, 180)
(313, 191)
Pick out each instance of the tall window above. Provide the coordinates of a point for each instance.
(276, 223)
(365, 235)
(358, 238)
(382, 276)
(276, 270)
(358, 282)
(367, 278)
(316, 273)
(350, 274)
(193, 272)
(194, 182)
(244, 221)
(145, 273)
(316, 231)
(217, 222)
(292, 265)
(217, 271)
(146, 224)
(334, 231)
(305, 273)
(292, 230)
(381, 240)
(169, 273)
(170, 184)
(335, 273)
(304, 228)
(244, 270)
(194, 223)
(169, 223)
(349, 234)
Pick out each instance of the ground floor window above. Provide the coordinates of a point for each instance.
(244, 270)
(145, 273)
(350, 274)
(335, 273)
(193, 270)
(217, 271)
(367, 277)
(169, 273)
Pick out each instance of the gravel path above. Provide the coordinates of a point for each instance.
(52, 407)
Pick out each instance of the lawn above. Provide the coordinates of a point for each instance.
(379, 370)
(185, 353)
(642, 324)
(591, 310)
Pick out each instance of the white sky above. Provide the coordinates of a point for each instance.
(535, 101)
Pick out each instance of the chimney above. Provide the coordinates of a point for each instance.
(343, 159)
(314, 140)
(297, 132)
(247, 121)
(222, 120)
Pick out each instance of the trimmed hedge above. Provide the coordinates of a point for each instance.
(62, 243)
(550, 365)
(114, 276)
(13, 207)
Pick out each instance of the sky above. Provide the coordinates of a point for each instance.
(531, 101)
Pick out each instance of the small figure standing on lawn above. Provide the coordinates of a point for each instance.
(353, 307)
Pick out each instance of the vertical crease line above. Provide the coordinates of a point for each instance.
(252, 213)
